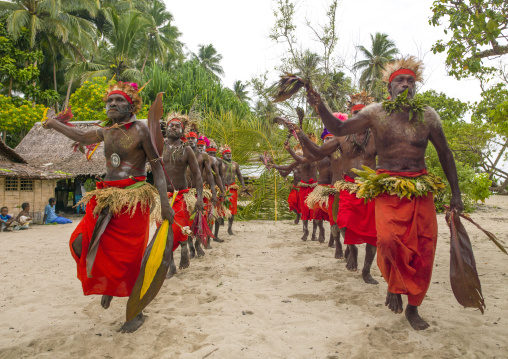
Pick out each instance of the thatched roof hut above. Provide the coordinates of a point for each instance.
(20, 182)
(51, 151)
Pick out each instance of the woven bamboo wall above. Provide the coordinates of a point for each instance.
(38, 198)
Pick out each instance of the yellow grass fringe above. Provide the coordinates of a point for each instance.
(343, 185)
(122, 200)
(301, 184)
(320, 196)
(190, 198)
(233, 186)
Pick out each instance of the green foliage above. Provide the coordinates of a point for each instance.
(416, 106)
(474, 186)
(475, 27)
(17, 116)
(87, 101)
(493, 108)
(190, 86)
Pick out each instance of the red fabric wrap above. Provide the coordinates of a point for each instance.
(328, 135)
(234, 199)
(400, 72)
(307, 213)
(407, 238)
(192, 134)
(358, 217)
(120, 251)
(181, 219)
(226, 151)
(293, 201)
(331, 199)
(321, 213)
(123, 94)
(211, 149)
(201, 142)
(357, 107)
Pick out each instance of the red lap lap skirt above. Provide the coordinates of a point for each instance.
(120, 251)
(407, 238)
(357, 217)
(293, 200)
(331, 199)
(182, 217)
(320, 213)
(307, 213)
(234, 199)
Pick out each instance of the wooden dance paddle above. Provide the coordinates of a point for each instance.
(464, 278)
(100, 226)
(154, 267)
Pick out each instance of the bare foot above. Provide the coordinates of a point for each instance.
(352, 258)
(106, 301)
(338, 252)
(185, 259)
(199, 251)
(394, 302)
(132, 325)
(230, 232)
(321, 238)
(346, 254)
(192, 251)
(297, 220)
(367, 278)
(217, 239)
(305, 234)
(172, 269)
(208, 245)
(414, 318)
(331, 242)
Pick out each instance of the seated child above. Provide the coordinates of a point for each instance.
(5, 219)
(23, 219)
(50, 217)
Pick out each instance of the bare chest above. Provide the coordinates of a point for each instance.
(396, 130)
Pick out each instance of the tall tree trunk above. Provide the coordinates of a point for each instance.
(68, 96)
(144, 62)
(492, 171)
(54, 83)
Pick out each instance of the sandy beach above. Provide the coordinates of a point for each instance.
(262, 294)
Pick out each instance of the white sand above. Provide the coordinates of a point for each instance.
(261, 294)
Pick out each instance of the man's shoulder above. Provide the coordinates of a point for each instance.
(431, 117)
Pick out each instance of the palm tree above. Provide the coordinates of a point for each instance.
(52, 26)
(382, 51)
(161, 37)
(240, 91)
(123, 39)
(210, 59)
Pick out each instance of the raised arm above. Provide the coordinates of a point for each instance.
(196, 178)
(75, 134)
(158, 173)
(445, 155)
(284, 168)
(335, 126)
(297, 158)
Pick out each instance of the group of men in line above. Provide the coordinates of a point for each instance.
(384, 136)
(396, 219)
(121, 207)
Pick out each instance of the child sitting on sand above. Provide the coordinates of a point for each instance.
(5, 219)
(23, 219)
(50, 217)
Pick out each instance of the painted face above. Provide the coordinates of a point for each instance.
(212, 153)
(228, 156)
(400, 84)
(174, 129)
(201, 148)
(117, 107)
(192, 141)
(5, 211)
(327, 139)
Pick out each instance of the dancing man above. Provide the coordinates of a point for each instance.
(231, 171)
(406, 227)
(118, 211)
(178, 159)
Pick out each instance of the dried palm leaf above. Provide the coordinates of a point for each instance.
(289, 85)
(464, 278)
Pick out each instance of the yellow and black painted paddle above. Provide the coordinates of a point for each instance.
(154, 267)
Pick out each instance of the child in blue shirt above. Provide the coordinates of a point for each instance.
(50, 217)
(5, 219)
